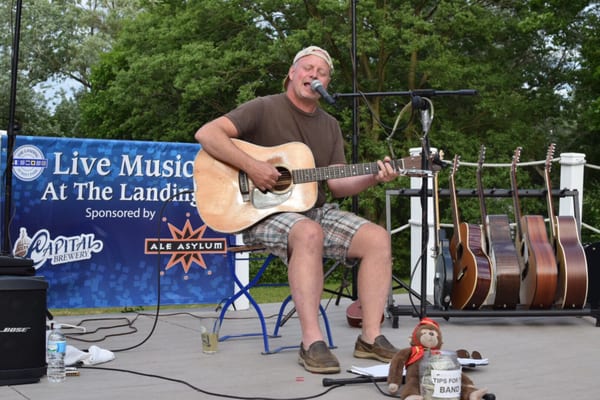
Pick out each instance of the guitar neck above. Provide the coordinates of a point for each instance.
(482, 207)
(348, 170)
(550, 202)
(515, 196)
(548, 183)
(332, 172)
(453, 199)
(480, 189)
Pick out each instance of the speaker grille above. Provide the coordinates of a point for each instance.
(22, 329)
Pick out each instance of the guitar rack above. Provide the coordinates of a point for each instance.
(432, 310)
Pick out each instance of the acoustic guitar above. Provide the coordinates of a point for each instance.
(572, 284)
(501, 250)
(354, 314)
(471, 280)
(538, 263)
(228, 201)
(442, 281)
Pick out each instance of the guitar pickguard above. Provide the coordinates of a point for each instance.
(262, 200)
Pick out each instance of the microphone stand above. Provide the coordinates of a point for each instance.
(424, 109)
(411, 93)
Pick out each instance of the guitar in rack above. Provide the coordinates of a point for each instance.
(538, 263)
(501, 250)
(565, 239)
(442, 283)
(471, 266)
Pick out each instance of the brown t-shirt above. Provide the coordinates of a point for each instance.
(274, 120)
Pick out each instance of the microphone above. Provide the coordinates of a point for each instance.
(358, 379)
(317, 86)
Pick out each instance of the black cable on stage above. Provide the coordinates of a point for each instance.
(197, 389)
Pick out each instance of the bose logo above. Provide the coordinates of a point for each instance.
(16, 329)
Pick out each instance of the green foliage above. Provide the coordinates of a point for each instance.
(159, 70)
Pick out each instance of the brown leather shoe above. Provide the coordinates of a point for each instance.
(381, 349)
(318, 359)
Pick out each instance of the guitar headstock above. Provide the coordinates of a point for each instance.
(516, 158)
(437, 161)
(481, 157)
(515, 190)
(547, 180)
(455, 163)
(550, 156)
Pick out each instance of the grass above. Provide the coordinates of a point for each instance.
(262, 294)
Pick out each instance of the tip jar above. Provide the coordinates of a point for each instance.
(440, 375)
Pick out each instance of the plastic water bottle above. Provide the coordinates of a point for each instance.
(56, 349)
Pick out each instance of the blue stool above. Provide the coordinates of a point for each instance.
(281, 321)
(235, 253)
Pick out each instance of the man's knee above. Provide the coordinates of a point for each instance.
(378, 237)
(370, 241)
(307, 232)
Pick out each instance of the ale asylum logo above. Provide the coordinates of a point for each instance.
(186, 246)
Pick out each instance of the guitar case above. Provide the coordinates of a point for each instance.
(592, 254)
(444, 274)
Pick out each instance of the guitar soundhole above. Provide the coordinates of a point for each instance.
(284, 181)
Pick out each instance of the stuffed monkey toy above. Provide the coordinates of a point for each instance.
(426, 335)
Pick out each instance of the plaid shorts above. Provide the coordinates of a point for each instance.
(339, 227)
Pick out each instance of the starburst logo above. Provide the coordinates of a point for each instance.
(186, 245)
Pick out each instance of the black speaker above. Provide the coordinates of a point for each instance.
(22, 329)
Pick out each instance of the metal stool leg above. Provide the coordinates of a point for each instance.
(243, 290)
(281, 319)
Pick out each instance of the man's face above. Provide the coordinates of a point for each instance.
(306, 70)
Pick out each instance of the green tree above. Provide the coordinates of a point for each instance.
(59, 42)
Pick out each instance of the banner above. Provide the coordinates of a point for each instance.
(103, 220)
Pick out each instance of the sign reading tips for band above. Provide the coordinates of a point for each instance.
(101, 218)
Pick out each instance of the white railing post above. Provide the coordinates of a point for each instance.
(416, 216)
(242, 271)
(571, 178)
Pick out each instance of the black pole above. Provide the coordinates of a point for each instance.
(354, 99)
(354, 130)
(425, 150)
(11, 133)
(9, 264)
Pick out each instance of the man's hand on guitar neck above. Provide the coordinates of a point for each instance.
(386, 173)
(352, 185)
